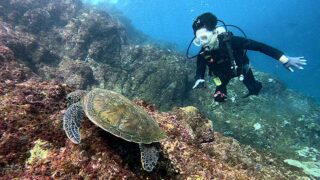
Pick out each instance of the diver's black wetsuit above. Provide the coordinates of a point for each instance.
(219, 62)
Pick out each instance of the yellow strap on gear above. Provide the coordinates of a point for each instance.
(283, 59)
(217, 81)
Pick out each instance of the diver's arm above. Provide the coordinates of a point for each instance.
(243, 43)
(287, 61)
(201, 67)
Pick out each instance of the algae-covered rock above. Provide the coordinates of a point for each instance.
(279, 120)
(35, 15)
(38, 152)
(76, 73)
(95, 43)
(31, 131)
(200, 128)
(82, 47)
(310, 168)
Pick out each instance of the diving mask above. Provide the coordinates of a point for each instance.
(203, 37)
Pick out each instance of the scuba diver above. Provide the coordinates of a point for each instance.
(225, 56)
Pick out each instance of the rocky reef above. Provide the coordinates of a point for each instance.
(85, 47)
(33, 144)
(51, 47)
(278, 120)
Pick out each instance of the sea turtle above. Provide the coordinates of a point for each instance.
(117, 115)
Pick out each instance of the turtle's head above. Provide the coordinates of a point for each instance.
(75, 96)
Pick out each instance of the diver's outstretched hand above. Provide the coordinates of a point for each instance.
(296, 62)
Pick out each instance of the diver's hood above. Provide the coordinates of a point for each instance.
(206, 20)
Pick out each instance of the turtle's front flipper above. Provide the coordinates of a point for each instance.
(71, 122)
(149, 156)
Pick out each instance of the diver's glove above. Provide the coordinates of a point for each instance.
(199, 83)
(289, 62)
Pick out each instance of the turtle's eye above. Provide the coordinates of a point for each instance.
(75, 96)
(70, 100)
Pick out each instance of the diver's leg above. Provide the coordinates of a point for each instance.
(251, 83)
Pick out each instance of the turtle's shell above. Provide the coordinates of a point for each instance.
(118, 115)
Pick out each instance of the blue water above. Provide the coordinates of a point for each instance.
(290, 25)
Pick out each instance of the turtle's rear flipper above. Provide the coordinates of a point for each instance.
(71, 122)
(149, 156)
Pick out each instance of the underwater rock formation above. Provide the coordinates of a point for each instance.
(155, 75)
(41, 14)
(76, 73)
(63, 29)
(34, 145)
(64, 42)
(94, 40)
(278, 120)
